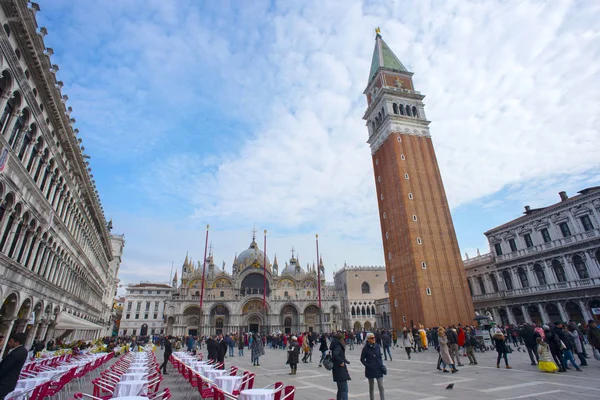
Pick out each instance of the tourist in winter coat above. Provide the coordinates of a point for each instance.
(340, 371)
(407, 341)
(570, 347)
(593, 334)
(212, 348)
(445, 351)
(323, 348)
(470, 343)
(501, 349)
(578, 346)
(528, 335)
(241, 345)
(257, 349)
(293, 355)
(370, 357)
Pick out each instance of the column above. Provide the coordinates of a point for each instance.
(542, 308)
(592, 264)
(548, 271)
(585, 311)
(569, 269)
(31, 335)
(531, 275)
(515, 278)
(561, 309)
(525, 314)
(43, 329)
(511, 318)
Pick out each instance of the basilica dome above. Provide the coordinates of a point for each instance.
(253, 255)
(293, 268)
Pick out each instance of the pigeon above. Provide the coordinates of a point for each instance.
(450, 386)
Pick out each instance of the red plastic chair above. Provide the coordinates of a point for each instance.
(245, 380)
(233, 371)
(288, 393)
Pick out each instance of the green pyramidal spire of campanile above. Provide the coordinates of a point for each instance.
(384, 57)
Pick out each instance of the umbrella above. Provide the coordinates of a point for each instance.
(480, 317)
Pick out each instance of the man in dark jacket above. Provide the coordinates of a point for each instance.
(370, 357)
(340, 371)
(386, 342)
(593, 334)
(527, 334)
(555, 347)
(212, 348)
(221, 350)
(453, 345)
(10, 367)
(168, 352)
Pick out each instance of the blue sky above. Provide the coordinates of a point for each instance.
(240, 114)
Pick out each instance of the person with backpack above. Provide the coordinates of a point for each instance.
(370, 357)
(340, 370)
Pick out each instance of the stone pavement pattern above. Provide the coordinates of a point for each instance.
(416, 379)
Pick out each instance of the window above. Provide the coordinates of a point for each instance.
(384, 215)
(507, 280)
(134, 332)
(387, 235)
(528, 241)
(137, 316)
(124, 332)
(423, 265)
(414, 218)
(155, 316)
(147, 305)
(559, 271)
(386, 287)
(564, 229)
(512, 244)
(145, 316)
(392, 278)
(222, 294)
(381, 196)
(377, 161)
(494, 282)
(428, 291)
(389, 256)
(152, 331)
(481, 285)
(580, 267)
(498, 249)
(523, 277)
(587, 223)
(402, 157)
(138, 306)
(158, 292)
(399, 139)
(127, 316)
(419, 241)
(546, 235)
(156, 306)
(286, 294)
(539, 274)
(353, 311)
(405, 176)
(379, 179)
(395, 303)
(410, 196)
(365, 288)
(129, 304)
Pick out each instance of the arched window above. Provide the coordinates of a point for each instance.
(507, 280)
(369, 311)
(286, 294)
(523, 277)
(395, 107)
(372, 310)
(559, 271)
(414, 112)
(408, 113)
(353, 311)
(494, 282)
(402, 110)
(363, 311)
(222, 294)
(365, 288)
(539, 274)
(386, 288)
(481, 285)
(580, 267)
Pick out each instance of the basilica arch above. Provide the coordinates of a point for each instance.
(191, 319)
(220, 319)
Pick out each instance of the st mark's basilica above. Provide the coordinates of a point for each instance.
(233, 301)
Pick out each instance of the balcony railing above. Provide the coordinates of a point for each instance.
(550, 245)
(538, 289)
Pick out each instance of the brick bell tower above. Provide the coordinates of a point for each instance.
(426, 278)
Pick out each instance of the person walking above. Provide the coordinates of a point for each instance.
(293, 355)
(470, 343)
(453, 345)
(578, 348)
(386, 342)
(322, 348)
(407, 341)
(305, 347)
(340, 370)
(545, 362)
(445, 352)
(501, 349)
(370, 357)
(241, 346)
(554, 344)
(11, 365)
(570, 347)
(527, 334)
(257, 349)
(167, 354)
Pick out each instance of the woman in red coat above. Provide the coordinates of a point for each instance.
(462, 337)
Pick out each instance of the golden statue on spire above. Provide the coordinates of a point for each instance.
(378, 31)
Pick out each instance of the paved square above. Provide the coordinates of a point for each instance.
(418, 379)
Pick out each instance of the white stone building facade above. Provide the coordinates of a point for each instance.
(143, 309)
(364, 290)
(58, 259)
(543, 266)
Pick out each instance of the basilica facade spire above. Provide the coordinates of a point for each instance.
(427, 281)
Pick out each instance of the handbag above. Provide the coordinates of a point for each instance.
(328, 362)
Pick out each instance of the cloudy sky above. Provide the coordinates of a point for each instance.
(249, 113)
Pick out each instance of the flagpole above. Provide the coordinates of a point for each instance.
(265, 283)
(319, 285)
(203, 274)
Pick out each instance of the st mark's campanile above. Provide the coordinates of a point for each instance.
(426, 278)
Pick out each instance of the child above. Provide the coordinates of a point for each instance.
(545, 364)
